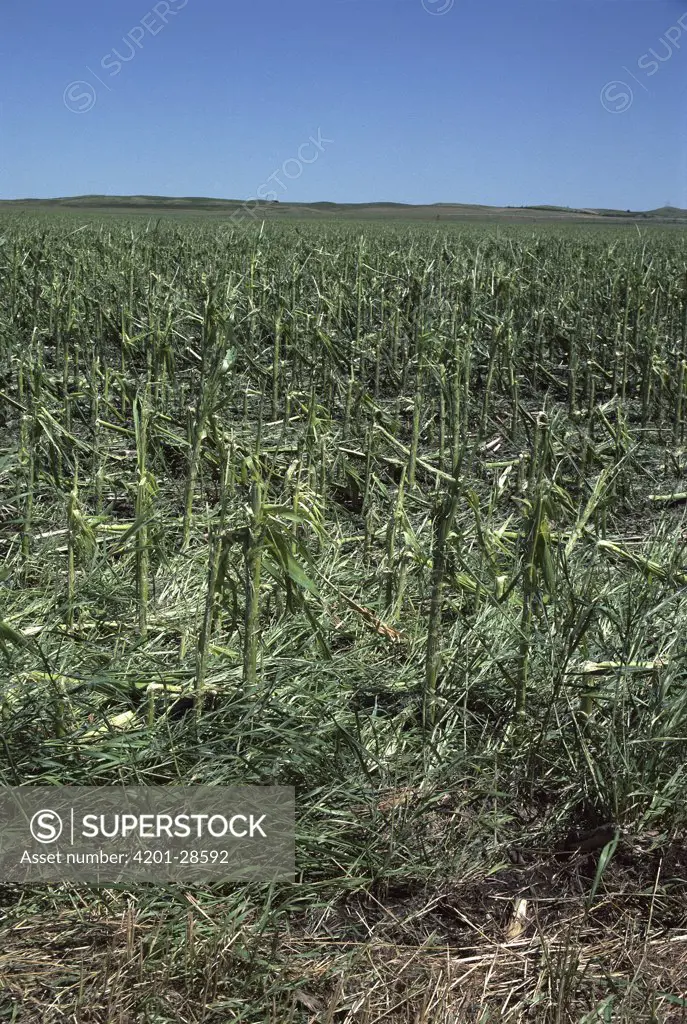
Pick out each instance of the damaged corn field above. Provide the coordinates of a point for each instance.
(392, 515)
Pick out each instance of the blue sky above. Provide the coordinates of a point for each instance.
(499, 102)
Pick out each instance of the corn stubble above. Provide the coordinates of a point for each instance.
(387, 510)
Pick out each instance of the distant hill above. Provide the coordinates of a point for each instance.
(373, 210)
(666, 213)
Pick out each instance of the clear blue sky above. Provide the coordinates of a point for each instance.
(475, 101)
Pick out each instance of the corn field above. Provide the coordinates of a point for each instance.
(394, 515)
